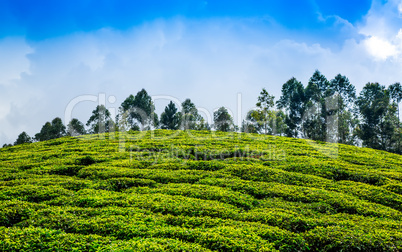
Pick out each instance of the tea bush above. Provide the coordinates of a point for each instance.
(198, 191)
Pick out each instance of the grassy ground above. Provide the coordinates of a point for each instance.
(198, 191)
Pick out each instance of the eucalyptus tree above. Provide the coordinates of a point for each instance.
(190, 118)
(58, 129)
(292, 101)
(345, 95)
(170, 118)
(263, 114)
(395, 91)
(75, 128)
(140, 111)
(52, 130)
(251, 123)
(100, 120)
(315, 116)
(223, 121)
(377, 128)
(23, 138)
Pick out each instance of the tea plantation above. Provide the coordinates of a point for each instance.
(198, 191)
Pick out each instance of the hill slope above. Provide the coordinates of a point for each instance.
(198, 191)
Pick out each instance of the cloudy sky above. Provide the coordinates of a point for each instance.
(218, 53)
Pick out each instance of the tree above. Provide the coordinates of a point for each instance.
(316, 114)
(190, 119)
(203, 125)
(100, 120)
(170, 119)
(345, 92)
(45, 133)
(23, 138)
(280, 125)
(395, 91)
(377, 129)
(58, 129)
(140, 110)
(223, 120)
(292, 100)
(52, 130)
(75, 128)
(275, 121)
(251, 123)
(7, 145)
(263, 114)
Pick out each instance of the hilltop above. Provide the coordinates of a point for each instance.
(198, 191)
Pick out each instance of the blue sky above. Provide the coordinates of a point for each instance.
(210, 51)
(46, 19)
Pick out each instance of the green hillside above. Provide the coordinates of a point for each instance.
(198, 191)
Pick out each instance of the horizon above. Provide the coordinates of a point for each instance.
(207, 51)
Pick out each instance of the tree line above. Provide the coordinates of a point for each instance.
(323, 110)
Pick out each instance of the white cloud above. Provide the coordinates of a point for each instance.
(380, 48)
(382, 30)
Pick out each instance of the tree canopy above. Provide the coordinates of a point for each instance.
(190, 119)
(75, 128)
(23, 138)
(323, 110)
(140, 111)
(52, 130)
(100, 120)
(223, 121)
(170, 119)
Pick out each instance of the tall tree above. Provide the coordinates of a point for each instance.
(23, 138)
(315, 117)
(223, 120)
(345, 94)
(396, 96)
(58, 128)
(190, 119)
(170, 119)
(45, 132)
(75, 128)
(377, 129)
(140, 109)
(252, 123)
(280, 125)
(100, 120)
(264, 114)
(52, 130)
(292, 101)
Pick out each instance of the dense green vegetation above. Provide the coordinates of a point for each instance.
(328, 111)
(198, 191)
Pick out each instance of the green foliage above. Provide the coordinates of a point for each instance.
(264, 115)
(23, 138)
(315, 117)
(75, 128)
(100, 120)
(87, 160)
(138, 111)
(170, 119)
(53, 130)
(344, 94)
(190, 118)
(378, 127)
(293, 101)
(190, 190)
(223, 121)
